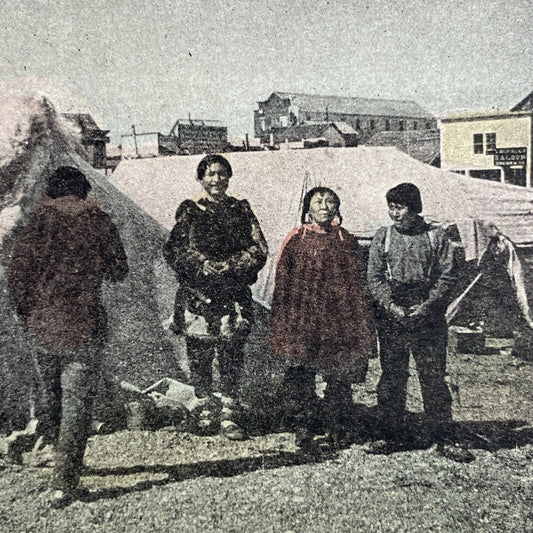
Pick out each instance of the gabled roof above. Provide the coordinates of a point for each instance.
(311, 130)
(354, 106)
(344, 129)
(524, 105)
(85, 121)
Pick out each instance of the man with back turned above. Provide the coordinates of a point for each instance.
(62, 256)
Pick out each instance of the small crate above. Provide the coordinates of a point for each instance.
(466, 340)
(523, 345)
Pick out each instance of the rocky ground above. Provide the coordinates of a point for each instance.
(169, 480)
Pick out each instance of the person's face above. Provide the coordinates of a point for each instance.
(215, 181)
(323, 208)
(401, 215)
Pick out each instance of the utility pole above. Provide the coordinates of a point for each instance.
(135, 141)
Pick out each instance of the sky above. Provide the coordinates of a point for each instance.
(148, 63)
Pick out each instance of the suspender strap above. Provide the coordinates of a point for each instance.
(432, 236)
(386, 246)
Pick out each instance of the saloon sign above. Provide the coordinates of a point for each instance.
(510, 157)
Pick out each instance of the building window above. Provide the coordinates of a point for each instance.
(387, 124)
(478, 143)
(308, 116)
(401, 125)
(357, 124)
(415, 125)
(490, 143)
(428, 125)
(372, 124)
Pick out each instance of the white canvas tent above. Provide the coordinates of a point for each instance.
(33, 144)
(274, 183)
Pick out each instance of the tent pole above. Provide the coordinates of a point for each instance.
(454, 306)
(303, 192)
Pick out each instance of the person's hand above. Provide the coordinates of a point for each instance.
(211, 268)
(221, 267)
(397, 311)
(416, 311)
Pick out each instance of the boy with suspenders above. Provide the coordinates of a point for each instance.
(411, 273)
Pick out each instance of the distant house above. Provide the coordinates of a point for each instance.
(281, 112)
(93, 138)
(340, 134)
(194, 137)
(494, 145)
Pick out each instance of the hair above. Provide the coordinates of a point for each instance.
(209, 160)
(406, 194)
(319, 190)
(67, 181)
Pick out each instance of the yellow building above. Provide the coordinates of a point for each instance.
(494, 145)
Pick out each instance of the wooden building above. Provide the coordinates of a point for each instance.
(93, 138)
(194, 137)
(495, 145)
(281, 112)
(340, 134)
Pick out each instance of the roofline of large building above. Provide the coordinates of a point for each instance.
(349, 97)
(390, 100)
(339, 96)
(488, 115)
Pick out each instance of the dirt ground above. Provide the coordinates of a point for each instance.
(173, 481)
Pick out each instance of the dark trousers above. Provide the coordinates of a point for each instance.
(300, 399)
(428, 347)
(201, 354)
(338, 409)
(67, 384)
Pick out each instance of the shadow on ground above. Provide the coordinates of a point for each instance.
(182, 472)
(487, 435)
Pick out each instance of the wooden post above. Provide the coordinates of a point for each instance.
(135, 140)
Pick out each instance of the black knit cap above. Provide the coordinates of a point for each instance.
(67, 181)
(406, 194)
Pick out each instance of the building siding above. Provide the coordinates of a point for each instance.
(457, 141)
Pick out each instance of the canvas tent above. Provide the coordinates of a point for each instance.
(274, 183)
(33, 143)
